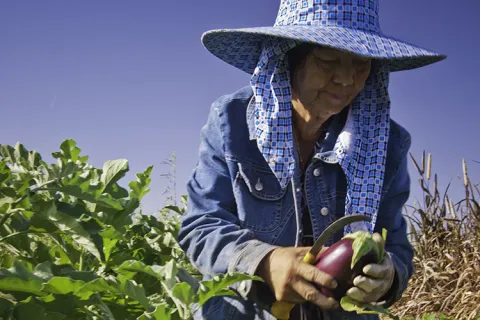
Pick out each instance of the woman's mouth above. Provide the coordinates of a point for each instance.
(337, 99)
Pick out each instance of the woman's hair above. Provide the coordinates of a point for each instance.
(296, 58)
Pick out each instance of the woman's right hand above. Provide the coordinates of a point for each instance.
(293, 280)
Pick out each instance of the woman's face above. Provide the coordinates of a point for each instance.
(329, 80)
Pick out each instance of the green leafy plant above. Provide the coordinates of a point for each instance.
(72, 245)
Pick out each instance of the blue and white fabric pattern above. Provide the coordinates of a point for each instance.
(273, 109)
(361, 146)
(348, 25)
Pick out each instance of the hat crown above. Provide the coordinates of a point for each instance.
(355, 14)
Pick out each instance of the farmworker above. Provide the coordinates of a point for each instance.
(308, 141)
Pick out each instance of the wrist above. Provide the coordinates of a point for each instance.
(264, 266)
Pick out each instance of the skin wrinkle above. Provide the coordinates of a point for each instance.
(320, 73)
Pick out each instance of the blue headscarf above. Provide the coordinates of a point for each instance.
(361, 147)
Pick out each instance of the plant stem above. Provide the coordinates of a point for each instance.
(80, 267)
(19, 233)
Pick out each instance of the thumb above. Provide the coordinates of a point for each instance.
(378, 239)
(300, 252)
(380, 242)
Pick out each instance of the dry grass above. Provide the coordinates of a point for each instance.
(446, 238)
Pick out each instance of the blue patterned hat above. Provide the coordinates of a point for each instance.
(348, 25)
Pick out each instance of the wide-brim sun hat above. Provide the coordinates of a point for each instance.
(347, 25)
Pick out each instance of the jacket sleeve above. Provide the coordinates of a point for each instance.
(397, 245)
(210, 233)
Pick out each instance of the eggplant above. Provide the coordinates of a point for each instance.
(336, 261)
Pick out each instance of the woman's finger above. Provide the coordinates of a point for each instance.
(311, 294)
(375, 270)
(292, 296)
(369, 285)
(359, 295)
(312, 274)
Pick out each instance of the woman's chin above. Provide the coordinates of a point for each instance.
(327, 110)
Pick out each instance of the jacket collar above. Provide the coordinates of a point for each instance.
(251, 118)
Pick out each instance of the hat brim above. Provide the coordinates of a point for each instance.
(241, 48)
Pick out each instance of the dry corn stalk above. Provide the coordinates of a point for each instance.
(447, 255)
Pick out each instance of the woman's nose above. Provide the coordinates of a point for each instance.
(344, 75)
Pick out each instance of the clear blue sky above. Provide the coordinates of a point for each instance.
(131, 79)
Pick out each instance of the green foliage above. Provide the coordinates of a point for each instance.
(72, 246)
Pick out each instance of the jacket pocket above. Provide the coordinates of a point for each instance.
(259, 198)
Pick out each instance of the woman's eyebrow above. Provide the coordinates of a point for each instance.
(326, 58)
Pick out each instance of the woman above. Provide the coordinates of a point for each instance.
(309, 141)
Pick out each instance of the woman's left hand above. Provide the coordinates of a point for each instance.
(377, 280)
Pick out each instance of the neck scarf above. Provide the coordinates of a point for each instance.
(361, 147)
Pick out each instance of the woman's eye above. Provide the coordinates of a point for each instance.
(326, 63)
(361, 62)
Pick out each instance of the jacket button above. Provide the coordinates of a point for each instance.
(316, 172)
(324, 211)
(259, 186)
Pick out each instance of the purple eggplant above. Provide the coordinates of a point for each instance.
(336, 261)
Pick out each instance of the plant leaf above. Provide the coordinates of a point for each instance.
(362, 244)
(131, 267)
(69, 151)
(97, 286)
(33, 286)
(44, 271)
(67, 224)
(139, 188)
(20, 278)
(218, 286)
(113, 170)
(105, 199)
(174, 208)
(62, 285)
(184, 293)
(134, 291)
(59, 255)
(161, 312)
(5, 304)
(348, 304)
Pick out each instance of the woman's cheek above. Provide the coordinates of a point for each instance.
(320, 79)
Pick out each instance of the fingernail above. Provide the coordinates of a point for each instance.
(334, 284)
(333, 302)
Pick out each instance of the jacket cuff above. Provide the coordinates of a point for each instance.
(246, 260)
(399, 285)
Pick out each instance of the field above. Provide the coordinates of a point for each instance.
(74, 245)
(446, 237)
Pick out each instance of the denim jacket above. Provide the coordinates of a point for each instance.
(237, 212)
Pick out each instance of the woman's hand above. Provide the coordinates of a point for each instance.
(294, 281)
(378, 279)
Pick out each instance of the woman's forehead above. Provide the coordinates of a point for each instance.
(327, 51)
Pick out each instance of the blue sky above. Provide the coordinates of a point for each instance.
(132, 80)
